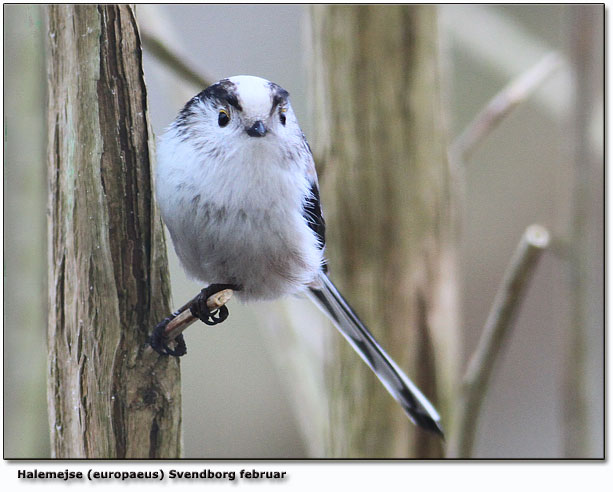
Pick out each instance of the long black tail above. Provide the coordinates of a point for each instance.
(414, 403)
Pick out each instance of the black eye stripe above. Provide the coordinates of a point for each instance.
(223, 92)
(279, 97)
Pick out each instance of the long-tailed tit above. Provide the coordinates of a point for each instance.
(237, 189)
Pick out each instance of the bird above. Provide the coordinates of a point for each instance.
(237, 188)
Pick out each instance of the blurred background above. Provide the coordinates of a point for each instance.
(236, 401)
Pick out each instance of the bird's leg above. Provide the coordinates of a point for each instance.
(199, 307)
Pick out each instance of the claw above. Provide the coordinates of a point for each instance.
(200, 309)
(158, 340)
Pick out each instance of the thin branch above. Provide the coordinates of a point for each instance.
(496, 330)
(172, 59)
(501, 105)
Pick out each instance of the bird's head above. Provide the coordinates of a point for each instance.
(240, 110)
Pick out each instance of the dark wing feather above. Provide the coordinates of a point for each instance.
(314, 217)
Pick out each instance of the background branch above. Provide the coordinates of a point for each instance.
(171, 59)
(501, 105)
(496, 330)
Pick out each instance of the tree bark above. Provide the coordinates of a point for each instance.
(108, 395)
(387, 198)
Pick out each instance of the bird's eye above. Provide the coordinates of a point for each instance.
(282, 117)
(224, 118)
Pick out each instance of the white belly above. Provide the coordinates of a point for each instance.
(241, 224)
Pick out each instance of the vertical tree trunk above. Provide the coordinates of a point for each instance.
(386, 193)
(108, 396)
(583, 418)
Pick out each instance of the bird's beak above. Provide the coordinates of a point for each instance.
(257, 129)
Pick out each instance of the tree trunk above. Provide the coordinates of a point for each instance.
(387, 199)
(108, 395)
(583, 396)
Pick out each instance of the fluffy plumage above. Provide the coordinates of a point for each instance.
(238, 191)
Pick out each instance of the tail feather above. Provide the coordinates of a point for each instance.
(415, 404)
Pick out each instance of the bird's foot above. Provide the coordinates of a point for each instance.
(159, 341)
(199, 307)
